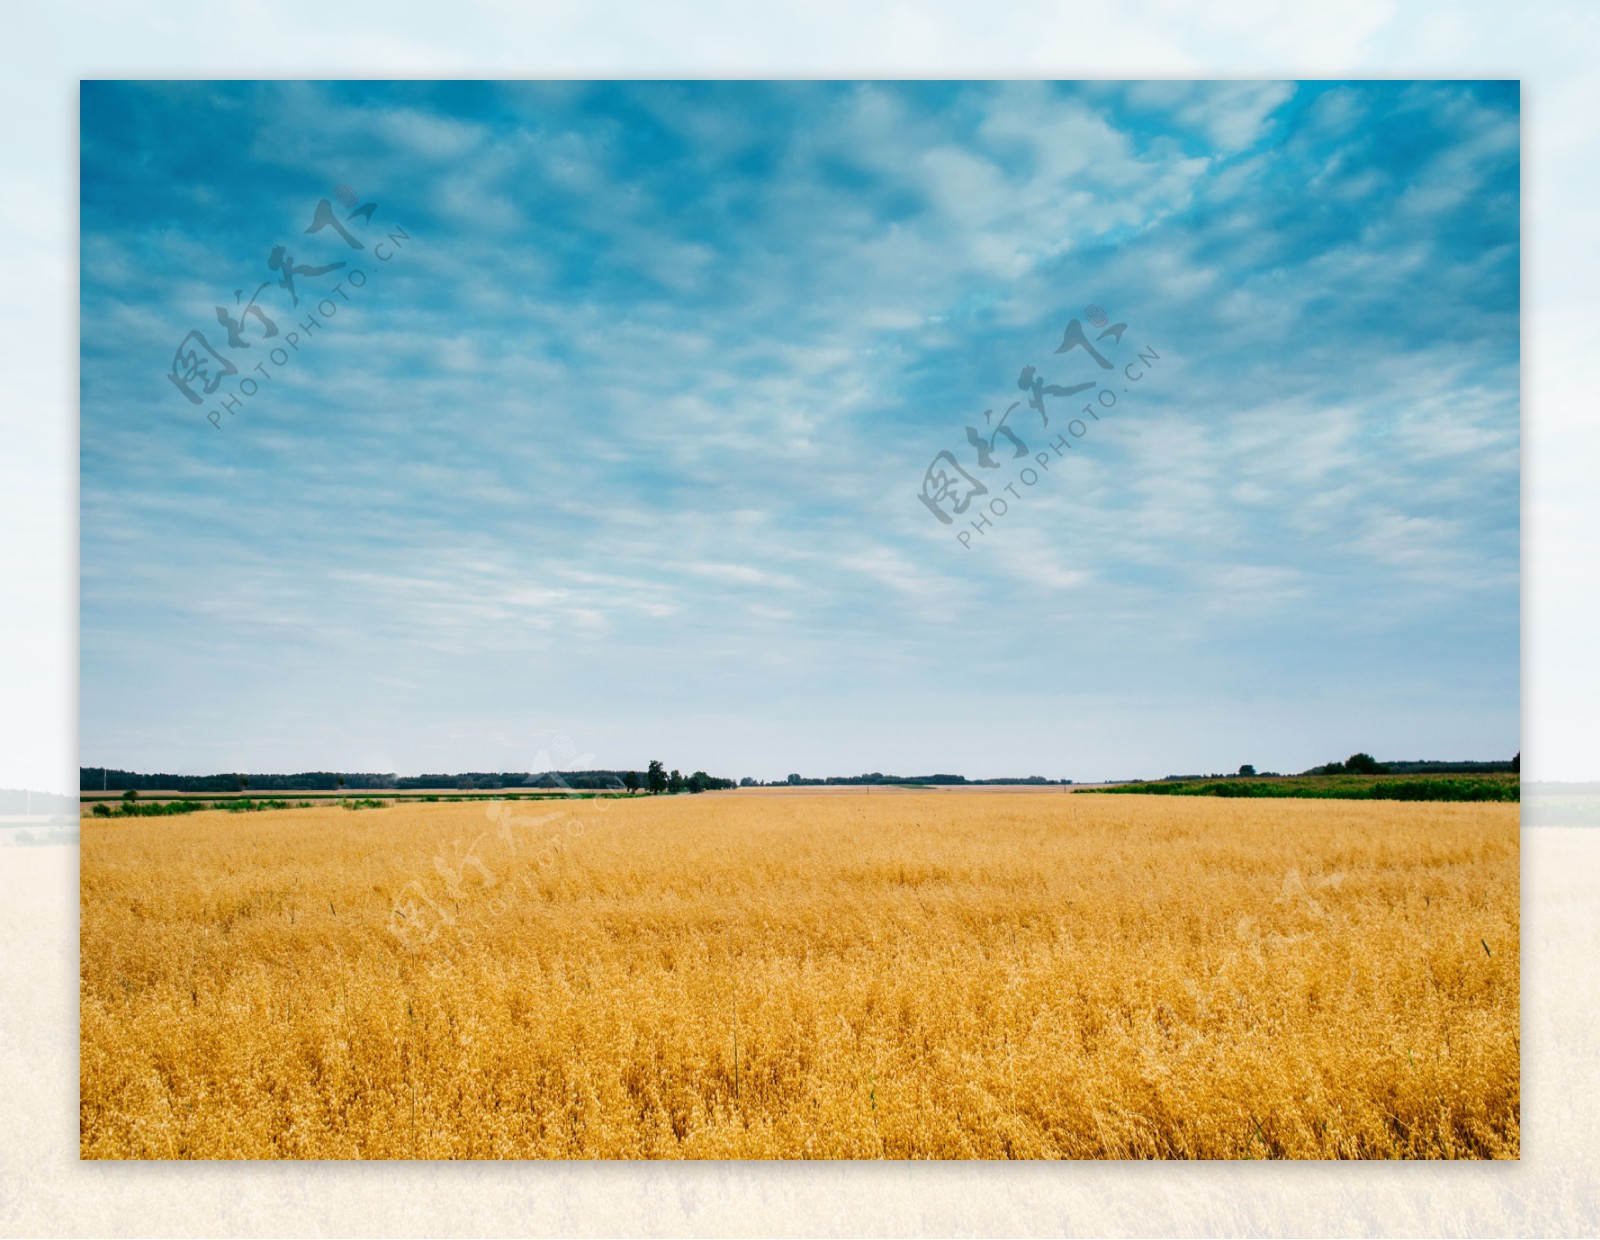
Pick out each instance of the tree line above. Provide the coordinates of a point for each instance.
(655, 778)
(1366, 764)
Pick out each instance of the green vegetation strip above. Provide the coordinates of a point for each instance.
(163, 809)
(1339, 787)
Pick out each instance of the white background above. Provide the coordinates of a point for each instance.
(1551, 47)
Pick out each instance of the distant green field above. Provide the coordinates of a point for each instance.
(1340, 787)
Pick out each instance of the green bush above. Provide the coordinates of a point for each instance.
(134, 809)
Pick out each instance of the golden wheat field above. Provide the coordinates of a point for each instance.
(914, 976)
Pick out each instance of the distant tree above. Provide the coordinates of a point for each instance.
(1516, 763)
(794, 779)
(1364, 764)
(630, 781)
(676, 782)
(747, 782)
(699, 781)
(656, 777)
(1247, 769)
(339, 783)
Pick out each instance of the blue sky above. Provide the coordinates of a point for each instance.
(621, 446)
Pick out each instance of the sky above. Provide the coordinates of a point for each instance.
(618, 448)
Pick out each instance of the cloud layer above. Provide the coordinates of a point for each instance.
(626, 436)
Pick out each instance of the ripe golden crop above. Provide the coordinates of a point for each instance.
(737, 976)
